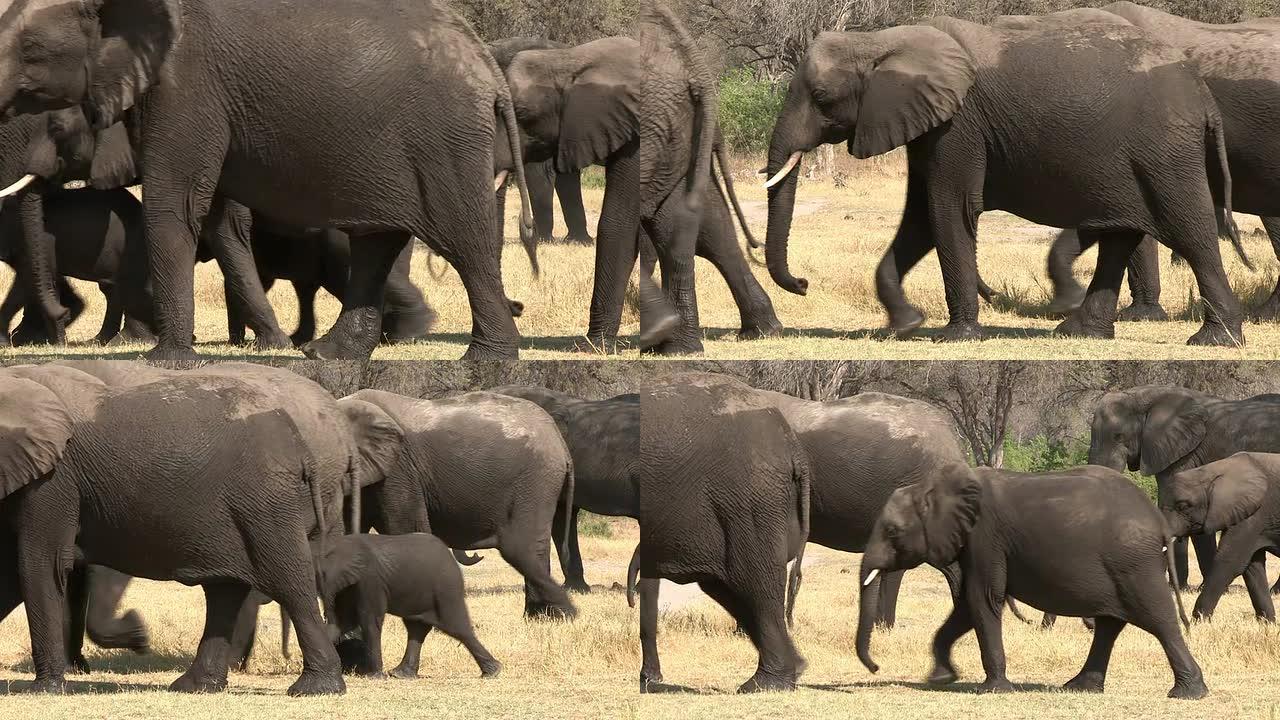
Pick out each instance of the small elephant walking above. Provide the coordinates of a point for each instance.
(1046, 539)
(415, 578)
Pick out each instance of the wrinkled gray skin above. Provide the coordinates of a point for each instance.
(229, 119)
(1047, 539)
(413, 577)
(1241, 65)
(1238, 495)
(478, 470)
(724, 503)
(1164, 430)
(603, 437)
(860, 450)
(209, 491)
(1023, 121)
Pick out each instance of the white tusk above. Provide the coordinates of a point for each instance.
(18, 186)
(786, 169)
(1164, 548)
(870, 576)
(498, 180)
(75, 185)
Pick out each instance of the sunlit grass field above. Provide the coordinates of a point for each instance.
(844, 221)
(589, 668)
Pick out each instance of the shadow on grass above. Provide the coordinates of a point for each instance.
(957, 687)
(79, 687)
(128, 663)
(992, 332)
(661, 688)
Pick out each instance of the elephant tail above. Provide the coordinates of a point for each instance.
(567, 498)
(507, 111)
(1013, 608)
(466, 560)
(284, 633)
(1173, 581)
(722, 158)
(803, 478)
(1216, 139)
(633, 576)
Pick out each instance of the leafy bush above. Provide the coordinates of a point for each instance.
(748, 108)
(1040, 454)
(592, 525)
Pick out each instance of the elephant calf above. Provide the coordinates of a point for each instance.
(1047, 539)
(414, 577)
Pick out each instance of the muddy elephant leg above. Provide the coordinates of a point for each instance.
(569, 190)
(958, 623)
(571, 558)
(358, 329)
(1144, 283)
(106, 589)
(615, 249)
(406, 317)
(543, 596)
(650, 664)
(718, 243)
(1093, 676)
(538, 177)
(1096, 316)
(913, 240)
(228, 230)
(890, 584)
(306, 293)
(1068, 246)
(208, 671)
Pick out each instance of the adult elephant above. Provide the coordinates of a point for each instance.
(410, 154)
(1075, 111)
(208, 491)
(478, 471)
(1239, 496)
(1163, 430)
(724, 502)
(1240, 63)
(544, 182)
(603, 438)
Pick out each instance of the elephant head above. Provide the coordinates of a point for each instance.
(1147, 428)
(928, 522)
(1216, 496)
(376, 440)
(875, 92)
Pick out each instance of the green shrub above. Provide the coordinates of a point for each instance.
(1040, 454)
(592, 525)
(748, 108)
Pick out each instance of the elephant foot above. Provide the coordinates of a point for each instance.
(1193, 689)
(995, 686)
(402, 672)
(761, 682)
(373, 674)
(300, 338)
(1066, 301)
(1268, 311)
(1213, 334)
(1150, 312)
(578, 586)
(403, 328)
(906, 321)
(1076, 326)
(579, 239)
(943, 675)
(327, 349)
(316, 683)
(650, 681)
(960, 332)
(550, 611)
(490, 669)
(1087, 681)
(482, 352)
(351, 652)
(26, 335)
(78, 665)
(658, 329)
(171, 354)
(675, 347)
(47, 686)
(760, 329)
(192, 682)
(273, 341)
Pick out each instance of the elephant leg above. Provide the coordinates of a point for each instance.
(77, 610)
(1197, 242)
(650, 664)
(228, 230)
(1270, 308)
(616, 246)
(1182, 563)
(244, 633)
(371, 618)
(1206, 550)
(106, 589)
(571, 558)
(9, 308)
(357, 330)
(454, 620)
(675, 237)
(986, 605)
(760, 614)
(543, 596)
(1144, 283)
(500, 213)
(538, 178)
(1093, 676)
(1255, 581)
(408, 668)
(306, 332)
(913, 240)
(478, 261)
(958, 623)
(648, 256)
(34, 331)
(406, 317)
(890, 583)
(1152, 609)
(569, 190)
(1096, 316)
(1230, 561)
(955, 226)
(38, 269)
(1068, 246)
(47, 518)
(114, 315)
(208, 671)
(718, 243)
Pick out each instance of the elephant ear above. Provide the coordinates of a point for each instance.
(34, 429)
(1235, 496)
(948, 504)
(136, 37)
(113, 160)
(344, 564)
(1176, 425)
(377, 440)
(914, 86)
(599, 116)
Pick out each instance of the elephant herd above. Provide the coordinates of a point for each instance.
(1125, 124)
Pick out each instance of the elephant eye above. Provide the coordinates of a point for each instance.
(1182, 505)
(892, 531)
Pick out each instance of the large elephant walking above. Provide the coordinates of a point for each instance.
(411, 154)
(1074, 109)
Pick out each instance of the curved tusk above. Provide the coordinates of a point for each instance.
(498, 180)
(786, 169)
(870, 576)
(18, 186)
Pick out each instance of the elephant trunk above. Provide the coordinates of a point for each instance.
(868, 611)
(782, 202)
(38, 265)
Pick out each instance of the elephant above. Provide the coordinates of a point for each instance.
(1240, 64)
(96, 235)
(477, 470)
(1163, 430)
(603, 437)
(724, 503)
(1238, 495)
(1047, 539)
(321, 258)
(1058, 99)
(208, 491)
(414, 577)
(418, 134)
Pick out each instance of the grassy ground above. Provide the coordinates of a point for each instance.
(843, 225)
(589, 668)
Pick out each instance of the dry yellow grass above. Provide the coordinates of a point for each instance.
(589, 668)
(841, 231)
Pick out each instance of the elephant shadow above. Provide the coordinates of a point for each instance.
(81, 687)
(956, 687)
(991, 332)
(125, 663)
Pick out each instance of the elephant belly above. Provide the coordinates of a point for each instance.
(148, 552)
(612, 494)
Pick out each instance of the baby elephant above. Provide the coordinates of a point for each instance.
(413, 577)
(1082, 542)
